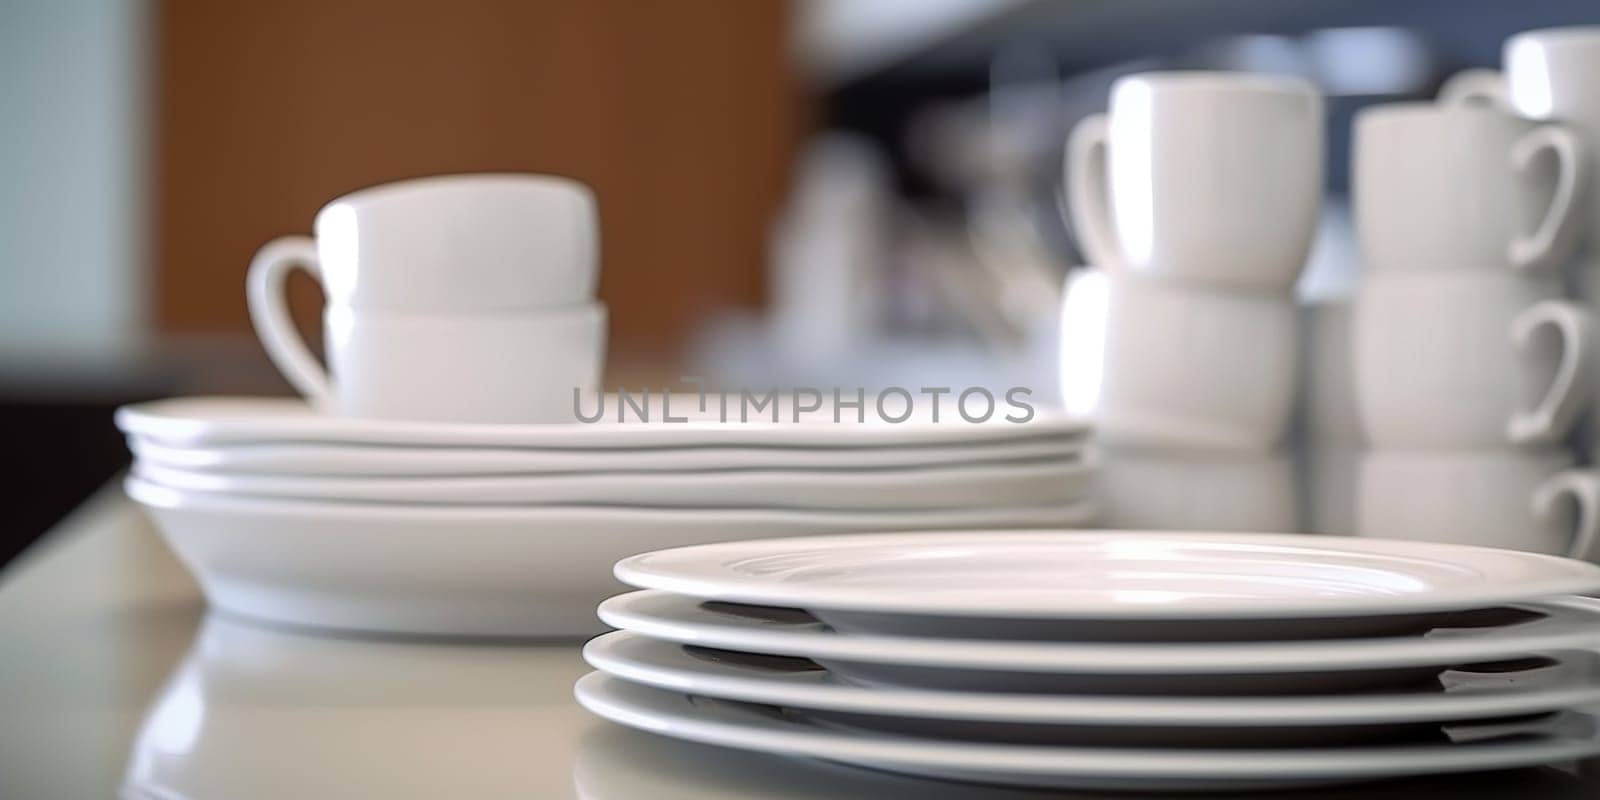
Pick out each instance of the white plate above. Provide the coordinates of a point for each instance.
(1263, 721)
(465, 570)
(956, 486)
(218, 420)
(1569, 625)
(1108, 575)
(761, 728)
(378, 461)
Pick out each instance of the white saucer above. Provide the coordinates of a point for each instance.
(292, 458)
(1570, 625)
(955, 486)
(1104, 575)
(1082, 718)
(464, 570)
(762, 728)
(217, 420)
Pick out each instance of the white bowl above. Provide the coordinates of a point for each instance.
(468, 570)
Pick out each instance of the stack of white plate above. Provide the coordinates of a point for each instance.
(1110, 660)
(471, 529)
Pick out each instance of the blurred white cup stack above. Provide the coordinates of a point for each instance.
(1549, 75)
(1195, 198)
(1472, 368)
(467, 298)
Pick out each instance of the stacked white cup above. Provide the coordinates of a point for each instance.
(1471, 366)
(1550, 75)
(1195, 199)
(465, 298)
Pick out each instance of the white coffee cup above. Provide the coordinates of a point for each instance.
(510, 367)
(1206, 177)
(1447, 186)
(1549, 75)
(1469, 358)
(1497, 498)
(465, 298)
(452, 243)
(1163, 365)
(1196, 490)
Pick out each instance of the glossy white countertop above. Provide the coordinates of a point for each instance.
(113, 679)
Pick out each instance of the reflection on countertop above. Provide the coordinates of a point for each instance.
(298, 714)
(90, 623)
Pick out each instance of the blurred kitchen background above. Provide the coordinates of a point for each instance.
(823, 192)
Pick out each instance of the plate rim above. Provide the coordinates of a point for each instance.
(366, 460)
(174, 420)
(155, 495)
(663, 617)
(665, 570)
(597, 692)
(1033, 468)
(605, 653)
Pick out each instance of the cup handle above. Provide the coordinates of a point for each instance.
(1583, 486)
(1557, 411)
(1087, 183)
(1469, 86)
(269, 312)
(1553, 238)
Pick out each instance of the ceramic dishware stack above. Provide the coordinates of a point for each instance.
(1194, 198)
(1471, 366)
(455, 472)
(291, 515)
(1548, 76)
(1109, 659)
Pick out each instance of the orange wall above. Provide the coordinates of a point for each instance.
(682, 115)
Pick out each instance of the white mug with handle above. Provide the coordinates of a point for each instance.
(1549, 74)
(1163, 366)
(456, 298)
(1453, 186)
(1474, 358)
(1517, 499)
(1208, 178)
